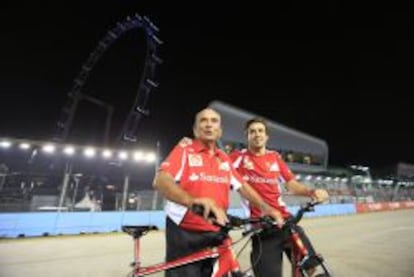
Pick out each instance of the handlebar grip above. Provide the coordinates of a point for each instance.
(199, 210)
(236, 221)
(309, 206)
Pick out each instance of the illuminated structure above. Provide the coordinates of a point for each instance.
(303, 152)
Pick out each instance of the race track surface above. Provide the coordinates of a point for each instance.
(375, 244)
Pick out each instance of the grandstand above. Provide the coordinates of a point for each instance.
(307, 156)
(303, 152)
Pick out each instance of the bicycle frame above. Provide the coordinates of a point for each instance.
(226, 260)
(223, 252)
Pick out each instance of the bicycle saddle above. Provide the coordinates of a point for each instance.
(138, 231)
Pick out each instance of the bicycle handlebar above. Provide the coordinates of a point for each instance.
(307, 207)
(234, 221)
(262, 222)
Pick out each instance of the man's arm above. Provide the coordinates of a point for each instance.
(297, 188)
(254, 198)
(294, 186)
(165, 184)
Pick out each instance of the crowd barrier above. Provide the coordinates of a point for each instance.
(383, 206)
(33, 224)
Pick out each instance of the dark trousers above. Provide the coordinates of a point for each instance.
(181, 242)
(267, 251)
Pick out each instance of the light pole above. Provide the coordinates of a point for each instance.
(65, 182)
(75, 190)
(125, 192)
(156, 165)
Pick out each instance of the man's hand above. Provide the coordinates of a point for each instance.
(273, 213)
(185, 141)
(210, 206)
(320, 195)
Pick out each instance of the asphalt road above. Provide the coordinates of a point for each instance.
(374, 244)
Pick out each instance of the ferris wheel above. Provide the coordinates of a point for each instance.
(148, 82)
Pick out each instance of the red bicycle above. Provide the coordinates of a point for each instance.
(223, 252)
(300, 257)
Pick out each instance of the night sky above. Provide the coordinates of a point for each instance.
(338, 72)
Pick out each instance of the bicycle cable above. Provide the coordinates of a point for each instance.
(248, 239)
(240, 251)
(256, 261)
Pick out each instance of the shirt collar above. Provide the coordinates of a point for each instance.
(256, 154)
(200, 147)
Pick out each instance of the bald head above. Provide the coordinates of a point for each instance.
(207, 125)
(204, 112)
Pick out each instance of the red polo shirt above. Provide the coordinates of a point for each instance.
(201, 175)
(264, 173)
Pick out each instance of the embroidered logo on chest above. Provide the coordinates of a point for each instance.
(274, 167)
(194, 177)
(248, 164)
(224, 166)
(195, 160)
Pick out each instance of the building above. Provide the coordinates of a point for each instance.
(304, 153)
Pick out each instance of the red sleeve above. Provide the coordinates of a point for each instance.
(286, 173)
(175, 162)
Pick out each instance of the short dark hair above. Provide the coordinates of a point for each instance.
(255, 120)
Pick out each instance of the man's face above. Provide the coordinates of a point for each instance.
(256, 135)
(208, 125)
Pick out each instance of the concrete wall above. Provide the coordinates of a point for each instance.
(14, 225)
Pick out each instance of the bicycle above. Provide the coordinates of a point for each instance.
(224, 252)
(301, 258)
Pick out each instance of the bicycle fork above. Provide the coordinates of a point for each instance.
(300, 255)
